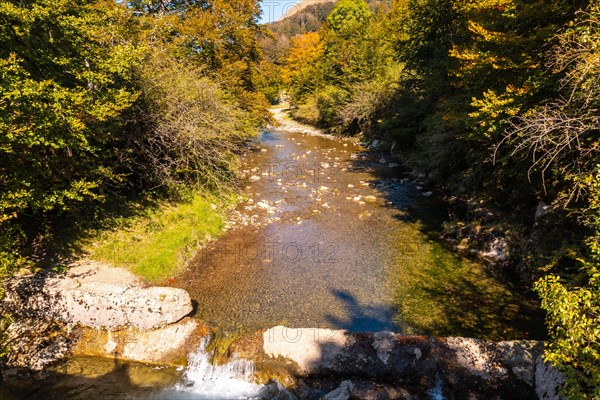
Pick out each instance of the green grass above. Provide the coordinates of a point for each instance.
(157, 243)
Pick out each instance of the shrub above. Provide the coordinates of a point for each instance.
(188, 130)
(329, 101)
(308, 111)
(573, 319)
(368, 98)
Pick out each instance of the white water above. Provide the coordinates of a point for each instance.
(437, 392)
(203, 380)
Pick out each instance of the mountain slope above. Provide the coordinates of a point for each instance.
(302, 6)
(306, 16)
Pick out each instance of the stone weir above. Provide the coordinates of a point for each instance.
(96, 310)
(336, 364)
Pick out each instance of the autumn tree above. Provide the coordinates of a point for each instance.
(102, 100)
(304, 65)
(219, 37)
(63, 87)
(501, 59)
(561, 134)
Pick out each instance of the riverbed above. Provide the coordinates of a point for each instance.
(328, 235)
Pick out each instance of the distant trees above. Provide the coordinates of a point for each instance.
(275, 39)
(448, 77)
(348, 18)
(341, 76)
(304, 70)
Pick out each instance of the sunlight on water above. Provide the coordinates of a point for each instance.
(203, 380)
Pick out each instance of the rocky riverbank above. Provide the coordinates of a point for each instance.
(335, 364)
(97, 310)
(284, 122)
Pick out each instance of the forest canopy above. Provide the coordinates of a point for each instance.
(101, 100)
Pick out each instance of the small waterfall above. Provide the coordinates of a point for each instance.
(203, 380)
(437, 392)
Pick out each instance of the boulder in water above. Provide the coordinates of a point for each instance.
(274, 391)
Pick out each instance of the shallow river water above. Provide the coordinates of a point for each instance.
(326, 236)
(335, 239)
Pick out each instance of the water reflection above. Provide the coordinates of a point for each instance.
(84, 378)
(461, 297)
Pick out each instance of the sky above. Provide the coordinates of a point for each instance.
(275, 9)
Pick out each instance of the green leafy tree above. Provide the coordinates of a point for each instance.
(348, 18)
(82, 122)
(63, 87)
(562, 138)
(219, 37)
(346, 26)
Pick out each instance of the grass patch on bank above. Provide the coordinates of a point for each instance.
(157, 243)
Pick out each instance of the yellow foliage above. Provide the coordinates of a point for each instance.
(474, 7)
(304, 52)
(486, 34)
(303, 62)
(493, 107)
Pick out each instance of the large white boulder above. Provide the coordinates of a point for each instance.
(309, 348)
(96, 296)
(168, 345)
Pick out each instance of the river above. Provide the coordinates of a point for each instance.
(337, 238)
(327, 235)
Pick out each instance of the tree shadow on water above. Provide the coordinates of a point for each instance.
(86, 378)
(362, 317)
